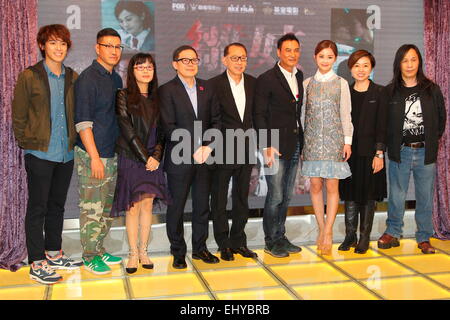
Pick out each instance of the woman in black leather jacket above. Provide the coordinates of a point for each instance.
(140, 180)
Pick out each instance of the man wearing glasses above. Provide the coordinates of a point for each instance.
(235, 92)
(95, 158)
(187, 101)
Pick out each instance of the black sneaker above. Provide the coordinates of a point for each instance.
(43, 273)
(278, 250)
(61, 261)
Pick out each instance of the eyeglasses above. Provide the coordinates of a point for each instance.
(142, 68)
(110, 46)
(194, 61)
(237, 58)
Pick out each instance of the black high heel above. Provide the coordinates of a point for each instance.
(132, 254)
(143, 253)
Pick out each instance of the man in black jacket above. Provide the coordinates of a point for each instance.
(416, 122)
(278, 101)
(235, 92)
(187, 103)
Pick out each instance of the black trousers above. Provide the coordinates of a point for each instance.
(180, 183)
(234, 238)
(48, 183)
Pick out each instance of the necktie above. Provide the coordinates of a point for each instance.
(134, 41)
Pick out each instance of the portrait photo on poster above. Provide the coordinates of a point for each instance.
(350, 33)
(134, 21)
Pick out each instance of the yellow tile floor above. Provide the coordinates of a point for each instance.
(398, 273)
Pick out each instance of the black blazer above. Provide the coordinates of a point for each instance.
(434, 118)
(372, 123)
(277, 108)
(134, 130)
(230, 115)
(177, 112)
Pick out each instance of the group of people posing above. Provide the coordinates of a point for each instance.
(122, 143)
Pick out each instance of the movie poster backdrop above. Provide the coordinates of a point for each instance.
(160, 26)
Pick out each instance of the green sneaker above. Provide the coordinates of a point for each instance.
(110, 259)
(96, 266)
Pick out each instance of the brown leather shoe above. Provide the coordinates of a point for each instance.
(426, 247)
(387, 241)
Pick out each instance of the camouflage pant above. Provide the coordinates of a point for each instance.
(96, 199)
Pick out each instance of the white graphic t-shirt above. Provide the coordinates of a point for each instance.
(413, 129)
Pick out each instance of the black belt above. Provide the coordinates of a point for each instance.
(415, 145)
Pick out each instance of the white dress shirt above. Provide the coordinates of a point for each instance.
(238, 91)
(140, 38)
(291, 79)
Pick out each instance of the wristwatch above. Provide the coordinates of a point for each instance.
(379, 155)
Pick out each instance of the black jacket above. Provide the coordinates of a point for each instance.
(434, 117)
(134, 131)
(177, 113)
(372, 123)
(277, 108)
(229, 113)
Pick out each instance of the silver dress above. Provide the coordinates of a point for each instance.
(324, 137)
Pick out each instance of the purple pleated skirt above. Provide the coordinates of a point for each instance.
(134, 181)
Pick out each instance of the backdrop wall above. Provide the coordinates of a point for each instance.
(376, 25)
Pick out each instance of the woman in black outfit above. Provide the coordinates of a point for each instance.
(140, 179)
(368, 181)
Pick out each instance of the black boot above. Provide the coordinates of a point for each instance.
(351, 224)
(367, 213)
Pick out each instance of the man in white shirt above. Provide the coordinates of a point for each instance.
(278, 102)
(235, 92)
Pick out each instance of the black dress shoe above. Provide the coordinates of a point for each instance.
(179, 263)
(245, 252)
(206, 257)
(290, 247)
(226, 254)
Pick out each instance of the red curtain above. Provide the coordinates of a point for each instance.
(18, 50)
(437, 64)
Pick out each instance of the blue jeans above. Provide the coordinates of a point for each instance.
(399, 173)
(280, 188)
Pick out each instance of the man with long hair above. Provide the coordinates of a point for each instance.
(416, 122)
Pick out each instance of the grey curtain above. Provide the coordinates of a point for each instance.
(18, 49)
(437, 57)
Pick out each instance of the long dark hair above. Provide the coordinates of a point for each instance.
(133, 92)
(397, 81)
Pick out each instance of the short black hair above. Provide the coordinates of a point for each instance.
(286, 37)
(237, 44)
(176, 53)
(355, 56)
(108, 32)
